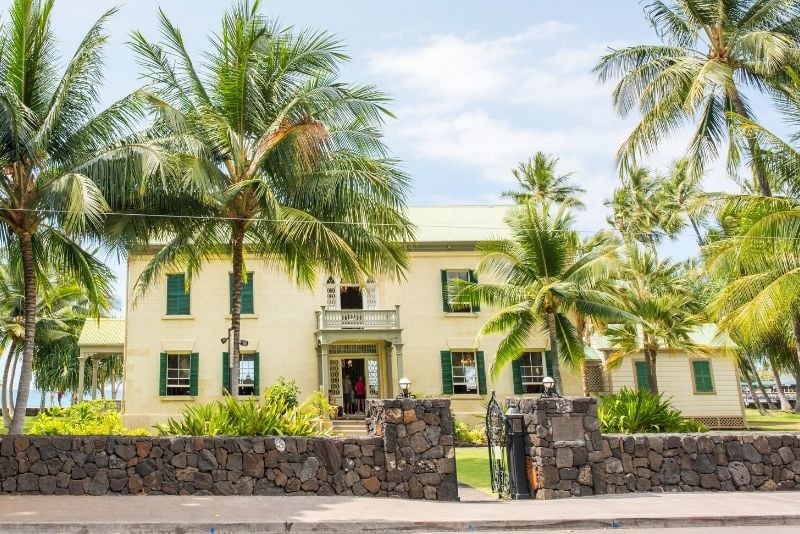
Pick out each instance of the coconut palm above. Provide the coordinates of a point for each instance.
(712, 53)
(658, 295)
(541, 278)
(273, 155)
(51, 142)
(538, 180)
(685, 199)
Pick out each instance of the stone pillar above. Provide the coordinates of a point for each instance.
(398, 350)
(418, 442)
(326, 379)
(564, 446)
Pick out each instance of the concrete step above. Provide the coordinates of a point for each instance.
(349, 427)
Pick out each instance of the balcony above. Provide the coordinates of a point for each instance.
(358, 319)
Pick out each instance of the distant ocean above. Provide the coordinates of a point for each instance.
(36, 396)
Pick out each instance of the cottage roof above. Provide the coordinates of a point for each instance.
(103, 332)
(705, 335)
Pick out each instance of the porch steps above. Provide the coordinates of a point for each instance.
(349, 427)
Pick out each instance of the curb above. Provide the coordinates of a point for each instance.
(404, 526)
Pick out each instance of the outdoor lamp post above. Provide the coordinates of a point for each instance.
(549, 387)
(405, 387)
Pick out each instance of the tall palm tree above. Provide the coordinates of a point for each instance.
(539, 180)
(541, 279)
(273, 155)
(685, 198)
(712, 53)
(51, 141)
(667, 311)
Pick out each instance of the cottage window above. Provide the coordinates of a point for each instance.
(702, 378)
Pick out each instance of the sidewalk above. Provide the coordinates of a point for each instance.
(28, 514)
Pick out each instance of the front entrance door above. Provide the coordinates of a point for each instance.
(345, 372)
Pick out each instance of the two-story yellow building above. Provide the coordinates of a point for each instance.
(333, 335)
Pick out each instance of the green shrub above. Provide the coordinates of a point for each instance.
(231, 417)
(91, 418)
(474, 435)
(640, 411)
(285, 391)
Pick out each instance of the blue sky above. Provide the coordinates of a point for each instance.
(478, 86)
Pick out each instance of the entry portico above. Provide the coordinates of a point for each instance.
(100, 339)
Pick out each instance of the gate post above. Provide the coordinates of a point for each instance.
(516, 455)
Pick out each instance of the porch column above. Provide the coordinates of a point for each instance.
(389, 378)
(94, 378)
(81, 372)
(325, 369)
(398, 350)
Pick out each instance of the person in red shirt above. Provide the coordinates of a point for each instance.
(360, 389)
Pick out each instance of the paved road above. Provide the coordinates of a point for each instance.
(26, 514)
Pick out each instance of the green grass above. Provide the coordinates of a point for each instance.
(25, 427)
(472, 464)
(777, 422)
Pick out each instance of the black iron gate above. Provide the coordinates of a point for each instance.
(497, 438)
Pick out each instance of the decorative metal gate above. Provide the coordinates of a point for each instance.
(497, 438)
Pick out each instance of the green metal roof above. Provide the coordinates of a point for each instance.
(102, 332)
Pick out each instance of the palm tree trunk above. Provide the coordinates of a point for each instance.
(650, 356)
(770, 404)
(113, 387)
(785, 405)
(6, 389)
(757, 169)
(696, 227)
(41, 402)
(236, 301)
(554, 359)
(29, 278)
(11, 401)
(796, 332)
(745, 372)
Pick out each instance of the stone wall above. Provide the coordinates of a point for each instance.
(569, 456)
(61, 465)
(418, 443)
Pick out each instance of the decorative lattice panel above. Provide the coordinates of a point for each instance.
(594, 378)
(371, 296)
(713, 421)
(372, 378)
(353, 349)
(335, 374)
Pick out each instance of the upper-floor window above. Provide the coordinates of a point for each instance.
(247, 294)
(178, 297)
(351, 296)
(449, 302)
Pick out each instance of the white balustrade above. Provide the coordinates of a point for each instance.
(358, 319)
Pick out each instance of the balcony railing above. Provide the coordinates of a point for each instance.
(358, 319)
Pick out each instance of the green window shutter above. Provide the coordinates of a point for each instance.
(445, 303)
(481, 374)
(256, 375)
(474, 279)
(447, 372)
(516, 370)
(194, 368)
(226, 372)
(548, 363)
(162, 375)
(642, 378)
(247, 306)
(178, 299)
(703, 382)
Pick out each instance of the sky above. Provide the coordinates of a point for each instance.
(477, 86)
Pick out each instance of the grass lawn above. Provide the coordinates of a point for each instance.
(26, 426)
(472, 464)
(777, 422)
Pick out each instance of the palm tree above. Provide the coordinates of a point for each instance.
(541, 279)
(711, 53)
(538, 180)
(667, 311)
(273, 155)
(51, 141)
(685, 197)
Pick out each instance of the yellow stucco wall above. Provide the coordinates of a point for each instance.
(674, 373)
(282, 331)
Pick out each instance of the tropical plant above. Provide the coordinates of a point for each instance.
(232, 417)
(469, 435)
(640, 411)
(539, 181)
(658, 294)
(540, 279)
(271, 154)
(51, 142)
(91, 418)
(712, 53)
(283, 390)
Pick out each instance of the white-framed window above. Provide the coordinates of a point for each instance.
(465, 372)
(247, 373)
(458, 274)
(532, 371)
(179, 377)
